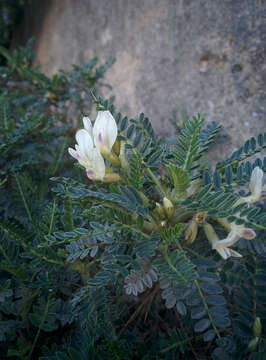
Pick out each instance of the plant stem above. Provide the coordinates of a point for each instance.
(157, 182)
(40, 327)
(207, 309)
(58, 160)
(254, 289)
(205, 304)
(52, 218)
(172, 266)
(176, 344)
(23, 198)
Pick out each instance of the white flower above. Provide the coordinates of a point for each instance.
(94, 140)
(221, 246)
(88, 155)
(237, 232)
(255, 186)
(242, 232)
(104, 131)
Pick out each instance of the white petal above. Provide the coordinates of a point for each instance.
(227, 252)
(255, 184)
(105, 131)
(97, 169)
(98, 164)
(223, 252)
(87, 125)
(85, 143)
(234, 253)
(78, 155)
(74, 153)
(231, 239)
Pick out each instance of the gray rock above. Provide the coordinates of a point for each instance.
(204, 56)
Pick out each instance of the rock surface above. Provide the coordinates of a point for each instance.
(204, 56)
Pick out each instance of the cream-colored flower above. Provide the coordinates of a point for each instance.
(221, 246)
(242, 232)
(104, 131)
(191, 231)
(238, 230)
(88, 155)
(92, 141)
(224, 249)
(255, 186)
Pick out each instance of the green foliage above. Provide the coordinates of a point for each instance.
(250, 148)
(177, 268)
(179, 178)
(122, 268)
(11, 12)
(36, 285)
(189, 146)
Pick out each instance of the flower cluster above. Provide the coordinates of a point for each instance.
(97, 143)
(236, 231)
(94, 143)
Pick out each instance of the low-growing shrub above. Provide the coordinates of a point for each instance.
(141, 251)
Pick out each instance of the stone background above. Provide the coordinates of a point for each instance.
(198, 55)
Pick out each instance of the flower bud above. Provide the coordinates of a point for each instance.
(159, 210)
(163, 223)
(191, 232)
(255, 185)
(111, 176)
(252, 346)
(168, 208)
(200, 217)
(257, 327)
(123, 156)
(112, 158)
(116, 147)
